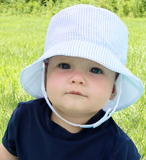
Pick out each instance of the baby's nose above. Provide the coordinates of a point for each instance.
(78, 78)
(76, 81)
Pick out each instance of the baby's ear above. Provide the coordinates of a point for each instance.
(46, 68)
(114, 93)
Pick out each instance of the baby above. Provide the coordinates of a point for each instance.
(78, 83)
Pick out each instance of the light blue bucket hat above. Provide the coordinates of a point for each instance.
(92, 33)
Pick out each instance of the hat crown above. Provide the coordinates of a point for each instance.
(90, 24)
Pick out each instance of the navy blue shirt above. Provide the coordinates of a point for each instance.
(31, 135)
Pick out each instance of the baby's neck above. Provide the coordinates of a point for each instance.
(69, 128)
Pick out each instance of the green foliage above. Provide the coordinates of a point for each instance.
(133, 8)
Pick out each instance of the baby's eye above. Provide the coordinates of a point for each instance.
(96, 70)
(64, 66)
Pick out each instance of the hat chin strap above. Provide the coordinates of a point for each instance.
(107, 115)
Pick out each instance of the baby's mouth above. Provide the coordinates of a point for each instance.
(76, 93)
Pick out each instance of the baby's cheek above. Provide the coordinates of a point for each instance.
(102, 89)
(52, 80)
(53, 86)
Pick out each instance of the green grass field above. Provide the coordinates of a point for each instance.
(22, 41)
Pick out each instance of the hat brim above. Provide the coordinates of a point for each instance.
(132, 87)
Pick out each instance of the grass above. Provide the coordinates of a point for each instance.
(22, 41)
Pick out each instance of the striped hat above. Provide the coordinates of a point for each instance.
(92, 33)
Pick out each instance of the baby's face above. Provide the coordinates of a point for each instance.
(77, 86)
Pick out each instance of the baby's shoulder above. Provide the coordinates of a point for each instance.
(32, 104)
(28, 109)
(118, 143)
(115, 130)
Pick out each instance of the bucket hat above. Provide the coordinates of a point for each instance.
(93, 33)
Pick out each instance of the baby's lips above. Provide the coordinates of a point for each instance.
(76, 93)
